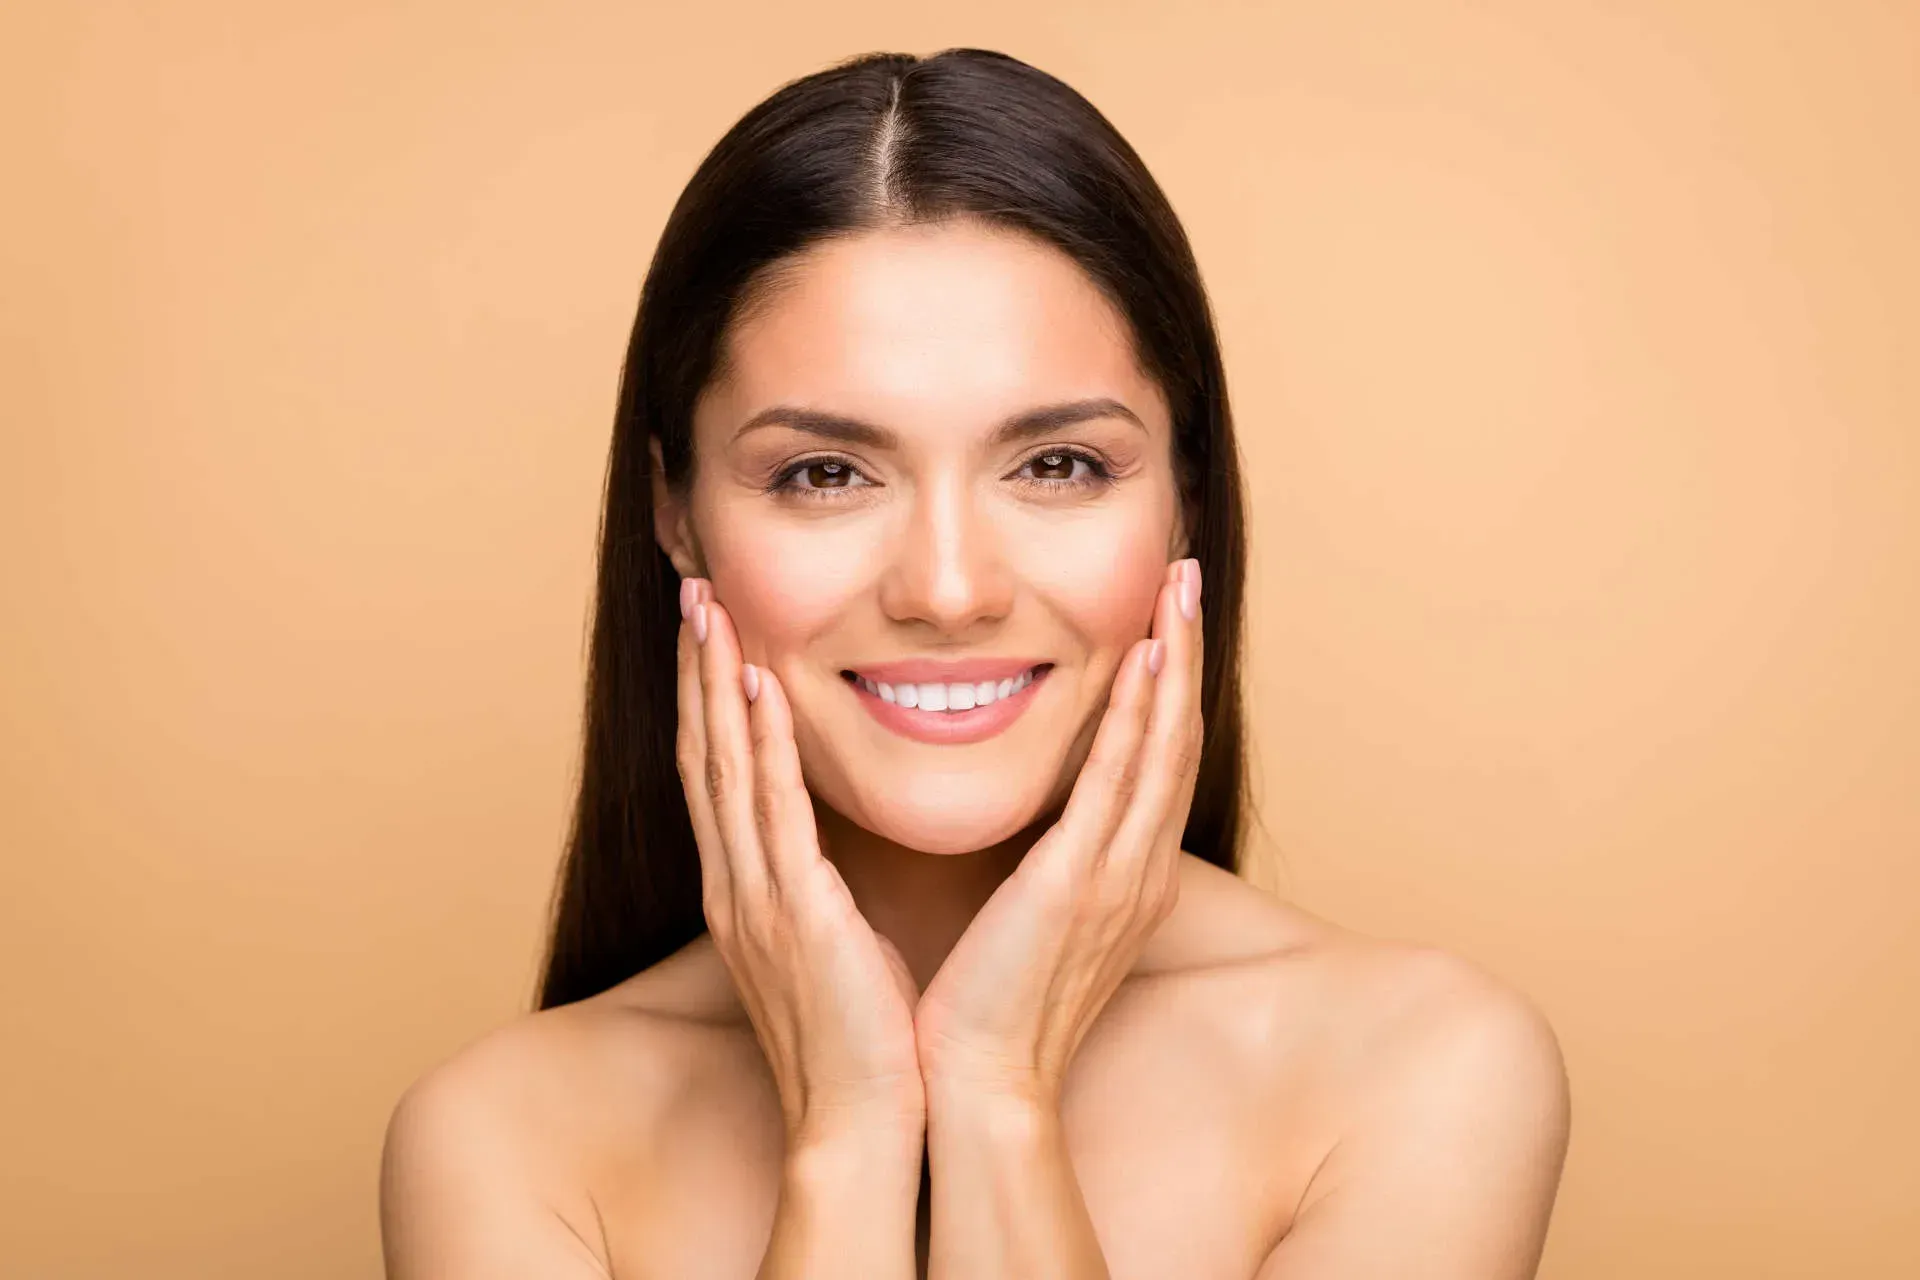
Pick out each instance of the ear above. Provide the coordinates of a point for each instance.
(672, 524)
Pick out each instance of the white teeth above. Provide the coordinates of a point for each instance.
(946, 697)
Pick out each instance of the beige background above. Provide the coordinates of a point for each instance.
(1574, 352)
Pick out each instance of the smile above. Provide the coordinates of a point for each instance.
(946, 712)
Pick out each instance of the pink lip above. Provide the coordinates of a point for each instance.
(952, 728)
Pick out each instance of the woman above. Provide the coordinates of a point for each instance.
(899, 930)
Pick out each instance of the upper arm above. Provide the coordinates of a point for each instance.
(1450, 1168)
(460, 1190)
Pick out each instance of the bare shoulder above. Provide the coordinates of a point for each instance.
(1435, 1093)
(1360, 1002)
(491, 1156)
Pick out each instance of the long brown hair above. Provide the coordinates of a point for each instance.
(878, 140)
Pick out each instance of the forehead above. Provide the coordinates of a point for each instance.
(933, 327)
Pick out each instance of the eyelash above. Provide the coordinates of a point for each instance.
(1099, 475)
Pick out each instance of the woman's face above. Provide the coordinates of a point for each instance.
(934, 546)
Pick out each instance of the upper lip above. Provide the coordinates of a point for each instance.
(946, 670)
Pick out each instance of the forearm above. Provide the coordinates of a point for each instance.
(847, 1206)
(1005, 1199)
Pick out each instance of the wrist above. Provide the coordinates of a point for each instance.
(997, 1092)
(1013, 1112)
(851, 1134)
(847, 1199)
(882, 1162)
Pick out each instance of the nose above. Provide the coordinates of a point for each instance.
(946, 568)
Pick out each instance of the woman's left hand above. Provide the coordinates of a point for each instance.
(1015, 996)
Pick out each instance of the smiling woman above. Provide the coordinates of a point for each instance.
(899, 930)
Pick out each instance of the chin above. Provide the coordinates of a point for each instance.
(947, 828)
(949, 817)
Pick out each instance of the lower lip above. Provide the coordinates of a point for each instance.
(949, 728)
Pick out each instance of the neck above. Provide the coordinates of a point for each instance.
(920, 902)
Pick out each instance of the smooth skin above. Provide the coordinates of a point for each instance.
(990, 962)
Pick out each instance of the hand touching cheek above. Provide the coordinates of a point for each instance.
(1017, 993)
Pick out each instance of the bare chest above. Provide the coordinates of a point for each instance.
(1188, 1159)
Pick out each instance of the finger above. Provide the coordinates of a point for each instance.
(1183, 570)
(1170, 754)
(1107, 778)
(1176, 825)
(690, 754)
(729, 753)
(783, 811)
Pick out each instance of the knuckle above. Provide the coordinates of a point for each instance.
(1186, 751)
(1117, 778)
(719, 776)
(767, 789)
(686, 753)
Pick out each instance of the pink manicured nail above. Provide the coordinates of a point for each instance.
(1189, 599)
(1190, 571)
(1156, 656)
(700, 623)
(750, 680)
(687, 593)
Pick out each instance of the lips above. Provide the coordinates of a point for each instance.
(976, 720)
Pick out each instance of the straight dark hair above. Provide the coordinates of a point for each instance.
(876, 141)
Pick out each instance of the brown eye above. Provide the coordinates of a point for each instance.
(1050, 474)
(818, 478)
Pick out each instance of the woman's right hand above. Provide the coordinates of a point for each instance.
(831, 1001)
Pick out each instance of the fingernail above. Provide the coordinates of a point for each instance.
(687, 587)
(1190, 571)
(700, 623)
(750, 679)
(1190, 599)
(1156, 656)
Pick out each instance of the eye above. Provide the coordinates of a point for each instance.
(823, 477)
(1054, 469)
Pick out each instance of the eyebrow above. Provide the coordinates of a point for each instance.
(1021, 426)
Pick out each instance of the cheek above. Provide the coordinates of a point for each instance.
(1103, 575)
(779, 600)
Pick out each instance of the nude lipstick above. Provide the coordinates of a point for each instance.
(947, 702)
